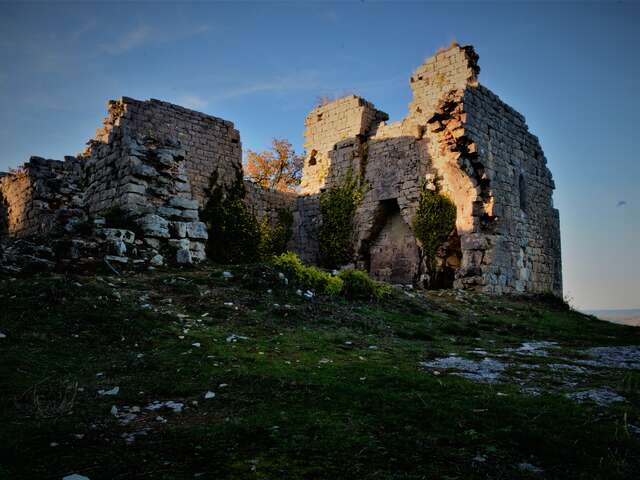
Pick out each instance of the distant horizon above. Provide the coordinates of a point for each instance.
(262, 67)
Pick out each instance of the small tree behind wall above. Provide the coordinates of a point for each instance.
(279, 168)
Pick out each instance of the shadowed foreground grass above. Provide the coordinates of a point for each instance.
(304, 389)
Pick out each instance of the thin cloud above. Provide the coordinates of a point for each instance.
(193, 101)
(135, 38)
(330, 16)
(82, 30)
(145, 35)
(304, 81)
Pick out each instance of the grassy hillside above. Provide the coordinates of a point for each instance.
(300, 388)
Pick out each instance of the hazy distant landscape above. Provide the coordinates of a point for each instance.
(624, 317)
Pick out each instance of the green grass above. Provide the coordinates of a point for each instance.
(307, 396)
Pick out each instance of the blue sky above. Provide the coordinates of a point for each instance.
(570, 68)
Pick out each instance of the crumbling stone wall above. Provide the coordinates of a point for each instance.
(325, 127)
(265, 203)
(458, 137)
(153, 164)
(306, 222)
(209, 144)
(141, 180)
(38, 194)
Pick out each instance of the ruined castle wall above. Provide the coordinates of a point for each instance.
(519, 214)
(306, 222)
(450, 69)
(327, 125)
(35, 196)
(395, 163)
(265, 203)
(460, 138)
(211, 145)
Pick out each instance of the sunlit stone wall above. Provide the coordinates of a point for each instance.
(460, 138)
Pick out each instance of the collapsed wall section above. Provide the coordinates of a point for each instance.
(209, 145)
(518, 217)
(39, 196)
(141, 181)
(326, 126)
(156, 161)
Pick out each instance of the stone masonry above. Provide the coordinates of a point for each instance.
(135, 194)
(458, 137)
(138, 186)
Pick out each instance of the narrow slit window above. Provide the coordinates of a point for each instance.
(523, 193)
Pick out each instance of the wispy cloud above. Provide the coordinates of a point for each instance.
(297, 81)
(193, 101)
(146, 35)
(82, 30)
(135, 38)
(330, 16)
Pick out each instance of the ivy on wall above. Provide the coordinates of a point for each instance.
(338, 205)
(274, 238)
(234, 232)
(434, 221)
(235, 235)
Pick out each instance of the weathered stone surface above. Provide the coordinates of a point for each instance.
(127, 236)
(157, 260)
(460, 138)
(197, 230)
(183, 203)
(154, 226)
(183, 257)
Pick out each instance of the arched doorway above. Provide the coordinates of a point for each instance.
(393, 255)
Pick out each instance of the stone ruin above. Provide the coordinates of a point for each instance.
(134, 196)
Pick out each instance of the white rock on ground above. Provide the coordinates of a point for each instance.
(486, 370)
(601, 396)
(112, 392)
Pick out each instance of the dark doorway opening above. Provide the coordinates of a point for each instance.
(392, 254)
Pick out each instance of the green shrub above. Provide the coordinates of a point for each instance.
(307, 277)
(434, 221)
(349, 283)
(358, 284)
(274, 239)
(338, 206)
(234, 232)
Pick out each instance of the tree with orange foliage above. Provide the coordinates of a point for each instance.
(279, 168)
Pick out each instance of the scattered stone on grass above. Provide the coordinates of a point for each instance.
(486, 370)
(534, 349)
(602, 396)
(114, 391)
(613, 357)
(233, 338)
(528, 467)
